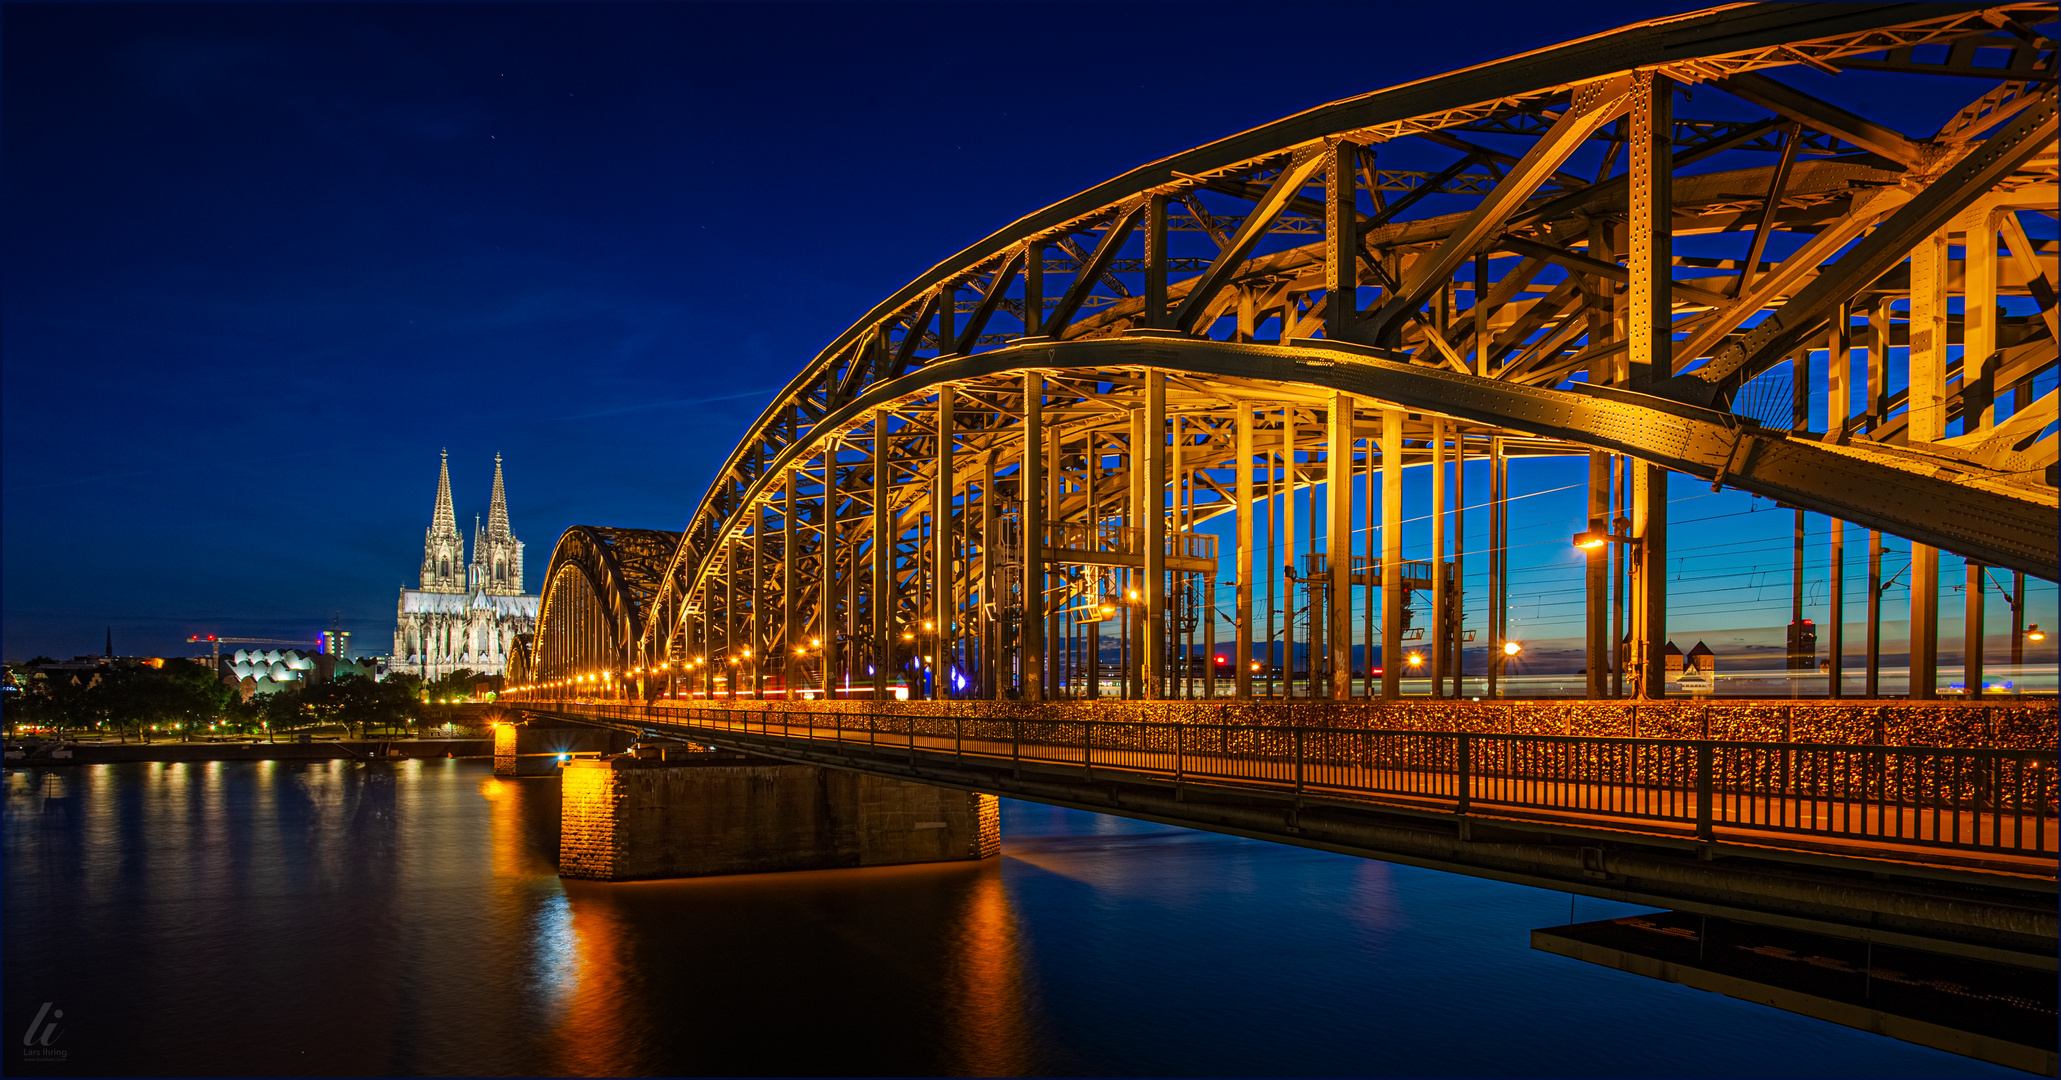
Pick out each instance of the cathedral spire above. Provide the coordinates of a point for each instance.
(497, 513)
(446, 520)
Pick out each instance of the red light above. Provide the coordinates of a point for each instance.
(1221, 660)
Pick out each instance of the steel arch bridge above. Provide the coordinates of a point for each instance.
(597, 589)
(1001, 474)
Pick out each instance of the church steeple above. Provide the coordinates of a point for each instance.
(497, 512)
(497, 554)
(443, 550)
(445, 520)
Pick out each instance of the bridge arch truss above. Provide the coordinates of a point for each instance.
(1027, 442)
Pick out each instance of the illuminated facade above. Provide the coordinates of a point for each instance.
(464, 616)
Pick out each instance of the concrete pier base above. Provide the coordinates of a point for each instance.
(702, 814)
(533, 749)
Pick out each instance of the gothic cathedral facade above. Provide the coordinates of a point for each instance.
(464, 616)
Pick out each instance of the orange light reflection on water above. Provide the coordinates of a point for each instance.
(991, 1034)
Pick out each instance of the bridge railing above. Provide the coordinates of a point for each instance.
(1941, 797)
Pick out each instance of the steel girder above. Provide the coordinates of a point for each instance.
(1556, 254)
(598, 589)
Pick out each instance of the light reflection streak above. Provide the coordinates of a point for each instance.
(990, 1028)
(600, 1024)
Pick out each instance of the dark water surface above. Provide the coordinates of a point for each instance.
(337, 917)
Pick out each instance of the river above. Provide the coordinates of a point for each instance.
(350, 918)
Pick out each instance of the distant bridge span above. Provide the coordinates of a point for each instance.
(999, 476)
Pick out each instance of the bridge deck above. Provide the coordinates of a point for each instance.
(1986, 810)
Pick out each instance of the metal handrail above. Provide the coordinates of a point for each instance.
(1943, 797)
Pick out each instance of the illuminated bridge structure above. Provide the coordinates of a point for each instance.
(1001, 487)
(1000, 475)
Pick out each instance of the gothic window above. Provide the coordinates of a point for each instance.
(500, 572)
(444, 568)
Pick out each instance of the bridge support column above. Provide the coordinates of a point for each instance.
(1394, 594)
(1243, 561)
(1597, 578)
(533, 749)
(1927, 423)
(1031, 545)
(703, 814)
(882, 601)
(1152, 489)
(1338, 522)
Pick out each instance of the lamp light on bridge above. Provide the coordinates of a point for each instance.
(1597, 535)
(1415, 659)
(908, 635)
(1512, 648)
(927, 624)
(2034, 633)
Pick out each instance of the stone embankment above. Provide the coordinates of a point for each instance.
(318, 750)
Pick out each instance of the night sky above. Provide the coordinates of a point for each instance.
(262, 263)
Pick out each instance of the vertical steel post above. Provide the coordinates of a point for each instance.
(826, 614)
(1459, 629)
(1496, 603)
(1288, 551)
(1156, 315)
(986, 613)
(883, 562)
(1650, 340)
(1838, 414)
(1874, 658)
(790, 583)
(1247, 508)
(1034, 289)
(1031, 658)
(1338, 541)
(1440, 631)
(1152, 489)
(1978, 401)
(1926, 422)
(943, 546)
(1799, 422)
(1650, 334)
(1394, 594)
(1596, 567)
(1341, 258)
(759, 630)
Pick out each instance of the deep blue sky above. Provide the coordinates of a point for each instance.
(262, 262)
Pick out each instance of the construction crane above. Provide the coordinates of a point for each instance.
(218, 642)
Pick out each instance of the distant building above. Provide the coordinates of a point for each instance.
(267, 671)
(464, 617)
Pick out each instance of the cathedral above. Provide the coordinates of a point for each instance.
(464, 616)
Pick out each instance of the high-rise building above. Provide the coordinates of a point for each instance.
(464, 617)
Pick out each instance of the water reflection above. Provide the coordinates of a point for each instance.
(350, 917)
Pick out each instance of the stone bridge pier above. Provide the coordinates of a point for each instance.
(536, 747)
(667, 812)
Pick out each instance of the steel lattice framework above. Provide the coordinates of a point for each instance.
(597, 589)
(1021, 445)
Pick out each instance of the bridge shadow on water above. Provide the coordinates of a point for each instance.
(332, 918)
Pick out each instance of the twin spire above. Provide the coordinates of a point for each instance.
(444, 522)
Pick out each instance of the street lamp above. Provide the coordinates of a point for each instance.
(2034, 633)
(1512, 648)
